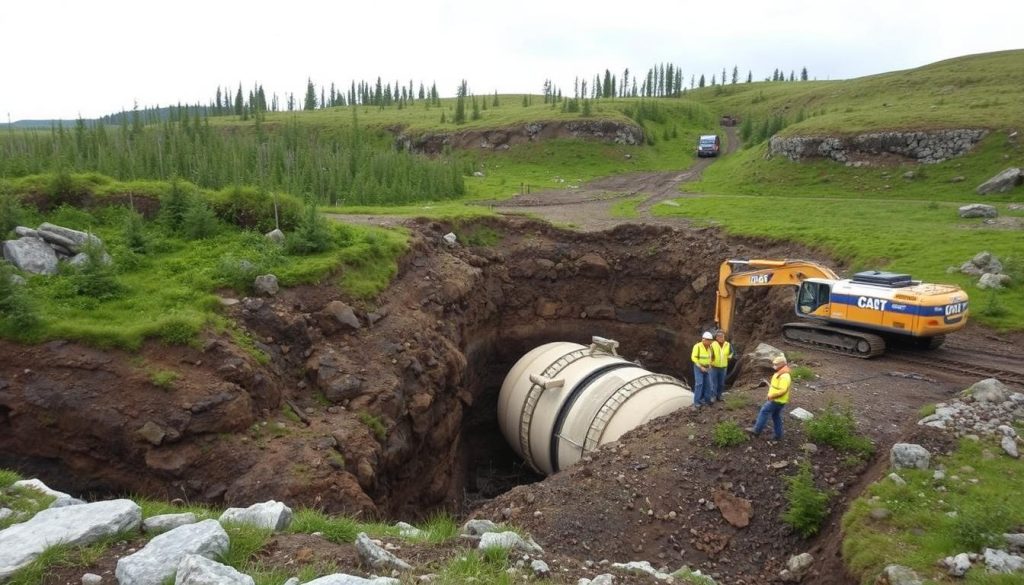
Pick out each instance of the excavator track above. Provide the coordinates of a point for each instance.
(834, 339)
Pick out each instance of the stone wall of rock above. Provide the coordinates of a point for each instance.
(503, 138)
(920, 146)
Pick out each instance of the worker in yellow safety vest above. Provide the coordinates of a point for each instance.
(778, 397)
(701, 358)
(721, 353)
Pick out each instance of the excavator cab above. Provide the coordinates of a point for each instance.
(813, 295)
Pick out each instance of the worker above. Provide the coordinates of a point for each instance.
(721, 353)
(701, 358)
(778, 396)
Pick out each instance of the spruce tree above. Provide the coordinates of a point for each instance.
(238, 101)
(750, 76)
(701, 82)
(310, 102)
(460, 104)
(495, 103)
(803, 74)
(476, 109)
(735, 74)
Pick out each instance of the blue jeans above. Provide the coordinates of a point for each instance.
(717, 382)
(702, 388)
(774, 410)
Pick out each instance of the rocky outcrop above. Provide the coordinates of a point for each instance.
(977, 210)
(920, 146)
(987, 267)
(503, 138)
(38, 251)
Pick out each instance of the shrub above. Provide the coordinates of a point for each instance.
(313, 235)
(19, 318)
(838, 429)
(728, 433)
(199, 221)
(802, 373)
(163, 379)
(174, 205)
(134, 234)
(95, 277)
(808, 505)
(12, 214)
(976, 527)
(253, 208)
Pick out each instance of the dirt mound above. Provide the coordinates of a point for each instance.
(503, 138)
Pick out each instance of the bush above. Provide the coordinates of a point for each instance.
(134, 232)
(802, 373)
(838, 429)
(252, 208)
(95, 277)
(19, 318)
(728, 433)
(199, 222)
(313, 235)
(12, 214)
(978, 526)
(174, 205)
(808, 505)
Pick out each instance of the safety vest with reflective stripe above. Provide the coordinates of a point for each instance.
(721, 354)
(701, 355)
(779, 389)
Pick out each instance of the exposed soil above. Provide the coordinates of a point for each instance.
(396, 418)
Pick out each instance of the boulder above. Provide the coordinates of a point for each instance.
(762, 356)
(23, 232)
(342, 314)
(61, 499)
(74, 240)
(199, 570)
(341, 387)
(5, 513)
(31, 255)
(377, 558)
(896, 479)
(1009, 445)
(265, 285)
(165, 522)
(1001, 183)
(593, 265)
(981, 259)
(898, 575)
(79, 525)
(643, 568)
(796, 567)
(734, 509)
(909, 456)
(478, 527)
(272, 515)
(343, 579)
(970, 269)
(276, 236)
(993, 281)
(1000, 561)
(958, 565)
(91, 579)
(160, 558)
(81, 260)
(801, 414)
(509, 541)
(989, 390)
(602, 579)
(978, 210)
(409, 531)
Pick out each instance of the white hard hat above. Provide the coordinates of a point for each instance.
(707, 335)
(779, 360)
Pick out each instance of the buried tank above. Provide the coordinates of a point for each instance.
(562, 400)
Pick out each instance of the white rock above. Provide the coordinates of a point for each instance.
(266, 285)
(1010, 446)
(900, 575)
(91, 579)
(272, 514)
(376, 557)
(909, 455)
(61, 500)
(199, 570)
(509, 541)
(988, 390)
(958, 565)
(5, 513)
(1014, 541)
(798, 564)
(540, 568)
(1000, 561)
(449, 239)
(477, 527)
(77, 525)
(602, 579)
(160, 558)
(801, 414)
(165, 522)
(409, 531)
(642, 567)
(343, 579)
(896, 479)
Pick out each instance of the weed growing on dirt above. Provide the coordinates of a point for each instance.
(626, 208)
(686, 575)
(808, 505)
(801, 373)
(838, 428)
(245, 541)
(728, 433)
(487, 566)
(479, 235)
(926, 410)
(993, 306)
(375, 424)
(164, 379)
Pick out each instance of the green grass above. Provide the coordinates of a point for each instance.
(337, 529)
(151, 507)
(926, 410)
(626, 208)
(448, 210)
(737, 401)
(375, 424)
(966, 92)
(837, 427)
(26, 502)
(802, 373)
(169, 293)
(8, 477)
(919, 531)
(917, 237)
(245, 541)
(164, 379)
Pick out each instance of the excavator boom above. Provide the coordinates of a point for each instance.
(733, 274)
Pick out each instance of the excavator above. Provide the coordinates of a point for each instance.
(852, 316)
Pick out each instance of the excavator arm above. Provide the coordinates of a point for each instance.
(733, 274)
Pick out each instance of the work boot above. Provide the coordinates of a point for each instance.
(751, 431)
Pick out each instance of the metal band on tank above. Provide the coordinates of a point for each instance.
(533, 397)
(616, 400)
(577, 390)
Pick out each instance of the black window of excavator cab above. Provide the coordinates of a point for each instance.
(812, 296)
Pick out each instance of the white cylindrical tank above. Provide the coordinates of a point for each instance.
(563, 399)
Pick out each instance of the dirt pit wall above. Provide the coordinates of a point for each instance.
(386, 409)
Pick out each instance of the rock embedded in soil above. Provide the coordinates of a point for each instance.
(160, 558)
(165, 522)
(199, 570)
(909, 456)
(343, 579)
(272, 515)
(376, 557)
(479, 527)
(734, 509)
(509, 541)
(898, 575)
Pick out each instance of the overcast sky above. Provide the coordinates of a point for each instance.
(89, 58)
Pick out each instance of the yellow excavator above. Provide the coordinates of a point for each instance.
(852, 316)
